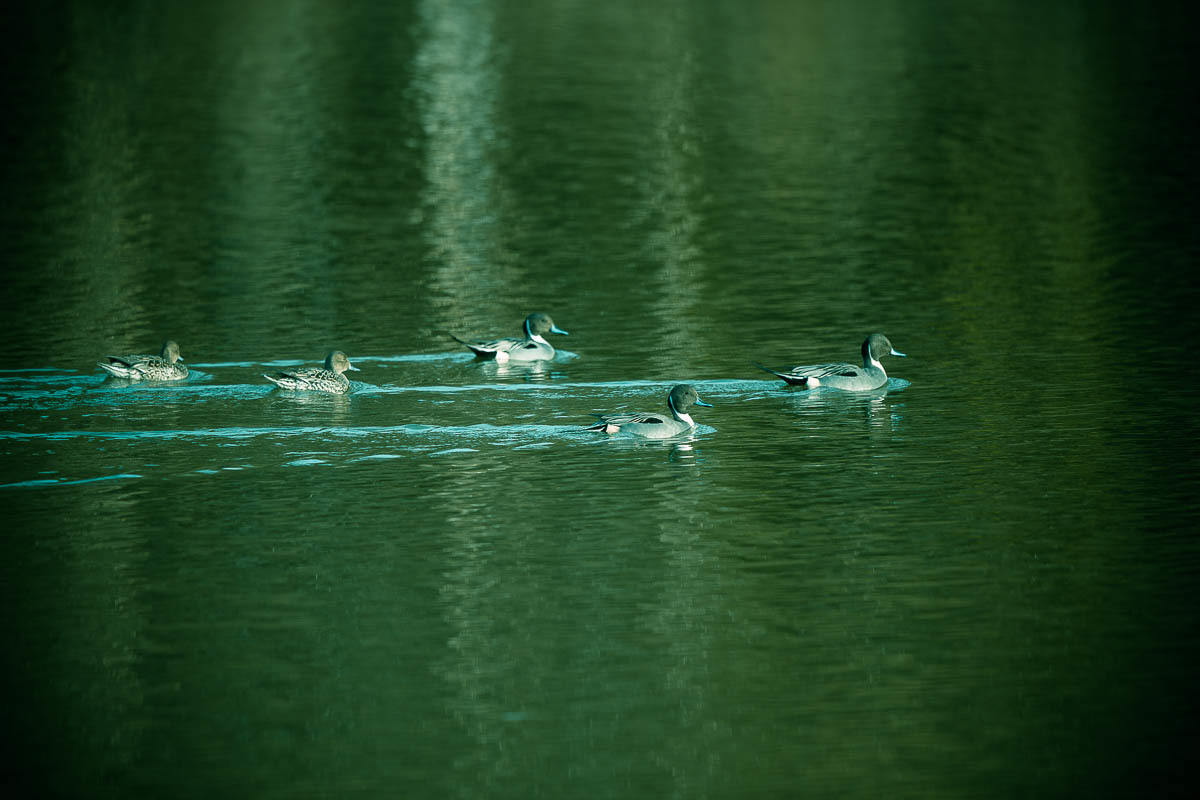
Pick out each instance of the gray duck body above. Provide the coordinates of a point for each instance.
(656, 426)
(847, 377)
(533, 347)
(166, 366)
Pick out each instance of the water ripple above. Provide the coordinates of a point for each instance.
(40, 483)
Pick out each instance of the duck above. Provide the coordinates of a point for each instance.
(656, 426)
(848, 377)
(166, 366)
(329, 379)
(533, 347)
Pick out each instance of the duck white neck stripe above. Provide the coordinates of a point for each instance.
(679, 415)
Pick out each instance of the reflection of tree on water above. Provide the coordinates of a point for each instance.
(460, 82)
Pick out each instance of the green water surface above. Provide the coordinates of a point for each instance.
(978, 581)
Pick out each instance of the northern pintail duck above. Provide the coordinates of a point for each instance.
(843, 376)
(533, 347)
(317, 379)
(166, 366)
(656, 426)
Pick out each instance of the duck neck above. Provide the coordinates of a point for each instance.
(533, 337)
(679, 415)
(869, 360)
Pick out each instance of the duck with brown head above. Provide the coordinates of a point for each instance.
(330, 378)
(848, 377)
(656, 426)
(533, 347)
(166, 366)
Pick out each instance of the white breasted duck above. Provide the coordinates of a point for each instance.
(533, 347)
(848, 377)
(656, 426)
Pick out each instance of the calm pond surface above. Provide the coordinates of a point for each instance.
(979, 581)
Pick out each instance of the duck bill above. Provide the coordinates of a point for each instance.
(702, 403)
(896, 352)
(556, 329)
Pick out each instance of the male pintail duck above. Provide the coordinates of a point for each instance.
(317, 379)
(843, 376)
(656, 426)
(533, 347)
(166, 366)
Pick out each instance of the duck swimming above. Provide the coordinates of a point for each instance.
(166, 366)
(656, 426)
(533, 347)
(847, 377)
(329, 378)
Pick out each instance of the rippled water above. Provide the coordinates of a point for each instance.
(979, 580)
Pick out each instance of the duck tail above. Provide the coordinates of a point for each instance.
(472, 346)
(119, 366)
(790, 380)
(601, 424)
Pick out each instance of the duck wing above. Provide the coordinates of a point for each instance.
(301, 374)
(826, 370)
(814, 371)
(147, 363)
(133, 361)
(627, 419)
(493, 346)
